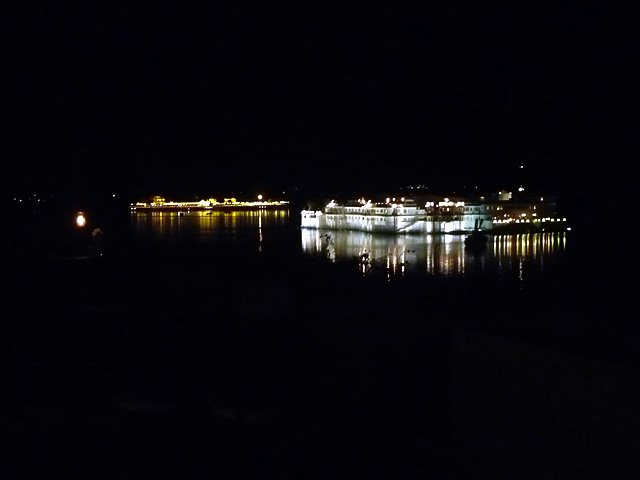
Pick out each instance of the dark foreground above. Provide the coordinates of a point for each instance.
(170, 362)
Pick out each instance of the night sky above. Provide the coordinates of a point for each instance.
(145, 98)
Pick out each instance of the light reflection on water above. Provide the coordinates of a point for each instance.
(518, 256)
(441, 255)
(207, 225)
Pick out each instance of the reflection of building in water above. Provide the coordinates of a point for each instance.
(522, 252)
(446, 255)
(393, 254)
(206, 225)
(534, 245)
(443, 255)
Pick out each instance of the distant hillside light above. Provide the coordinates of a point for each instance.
(81, 220)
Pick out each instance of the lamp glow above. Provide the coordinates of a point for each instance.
(81, 220)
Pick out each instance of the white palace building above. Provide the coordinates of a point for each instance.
(403, 216)
(502, 212)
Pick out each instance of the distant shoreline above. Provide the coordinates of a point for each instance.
(214, 208)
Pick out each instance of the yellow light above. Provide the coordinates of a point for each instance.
(81, 221)
(259, 197)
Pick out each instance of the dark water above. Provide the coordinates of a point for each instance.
(438, 255)
(236, 344)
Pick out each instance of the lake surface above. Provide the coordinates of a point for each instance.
(391, 255)
(440, 255)
(237, 343)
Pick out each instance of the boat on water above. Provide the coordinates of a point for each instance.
(363, 215)
(476, 241)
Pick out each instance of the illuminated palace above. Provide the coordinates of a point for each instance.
(503, 212)
(159, 204)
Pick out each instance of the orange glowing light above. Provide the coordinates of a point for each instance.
(81, 220)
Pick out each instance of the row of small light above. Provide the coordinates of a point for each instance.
(526, 220)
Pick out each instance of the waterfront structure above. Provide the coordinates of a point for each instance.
(390, 217)
(403, 216)
(158, 204)
(503, 212)
(451, 215)
(511, 211)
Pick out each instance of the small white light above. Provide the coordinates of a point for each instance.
(81, 220)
